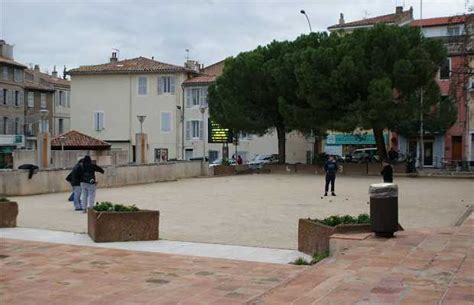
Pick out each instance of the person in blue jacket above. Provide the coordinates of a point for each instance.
(331, 169)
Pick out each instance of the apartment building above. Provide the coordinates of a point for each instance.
(107, 98)
(11, 104)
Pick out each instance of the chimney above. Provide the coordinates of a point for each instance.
(6, 50)
(341, 19)
(411, 12)
(114, 57)
(37, 68)
(54, 73)
(399, 10)
(192, 65)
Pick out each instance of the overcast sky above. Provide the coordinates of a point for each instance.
(84, 32)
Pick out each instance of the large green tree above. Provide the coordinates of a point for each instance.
(372, 79)
(246, 96)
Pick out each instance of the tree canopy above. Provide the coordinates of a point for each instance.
(369, 79)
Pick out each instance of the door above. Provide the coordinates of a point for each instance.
(188, 153)
(457, 148)
(428, 150)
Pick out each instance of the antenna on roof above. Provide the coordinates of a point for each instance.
(187, 54)
(366, 14)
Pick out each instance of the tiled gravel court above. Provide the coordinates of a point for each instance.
(256, 210)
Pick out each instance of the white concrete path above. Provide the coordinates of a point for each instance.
(253, 254)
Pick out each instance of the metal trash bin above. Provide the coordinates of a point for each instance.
(384, 208)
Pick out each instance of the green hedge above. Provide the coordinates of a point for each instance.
(345, 219)
(111, 207)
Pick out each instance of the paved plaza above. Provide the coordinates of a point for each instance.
(417, 267)
(256, 210)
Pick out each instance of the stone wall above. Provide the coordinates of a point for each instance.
(16, 182)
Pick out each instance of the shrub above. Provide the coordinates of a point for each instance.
(317, 257)
(335, 220)
(109, 206)
(3, 199)
(225, 162)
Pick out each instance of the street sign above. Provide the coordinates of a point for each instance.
(218, 134)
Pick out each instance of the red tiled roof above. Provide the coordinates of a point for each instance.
(215, 69)
(439, 21)
(134, 65)
(35, 86)
(390, 18)
(202, 79)
(55, 80)
(74, 140)
(9, 61)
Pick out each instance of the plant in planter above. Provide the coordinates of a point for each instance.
(313, 234)
(8, 213)
(109, 222)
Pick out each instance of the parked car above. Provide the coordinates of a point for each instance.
(217, 162)
(322, 158)
(364, 155)
(260, 160)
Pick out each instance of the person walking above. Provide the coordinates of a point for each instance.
(393, 155)
(330, 168)
(74, 178)
(88, 182)
(387, 172)
(239, 160)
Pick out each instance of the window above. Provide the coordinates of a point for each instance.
(16, 126)
(3, 96)
(18, 75)
(99, 120)
(4, 125)
(445, 69)
(165, 121)
(195, 96)
(194, 130)
(454, 31)
(17, 98)
(43, 101)
(60, 126)
(61, 98)
(142, 85)
(213, 155)
(5, 73)
(68, 99)
(29, 129)
(31, 99)
(166, 84)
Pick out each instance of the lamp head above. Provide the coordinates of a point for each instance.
(303, 12)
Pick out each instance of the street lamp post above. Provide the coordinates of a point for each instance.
(141, 119)
(62, 139)
(203, 111)
(309, 23)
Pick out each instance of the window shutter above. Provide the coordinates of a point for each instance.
(188, 98)
(188, 130)
(173, 84)
(203, 97)
(96, 120)
(68, 98)
(101, 120)
(21, 98)
(9, 97)
(1, 95)
(201, 130)
(160, 84)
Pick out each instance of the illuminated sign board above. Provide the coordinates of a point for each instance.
(218, 134)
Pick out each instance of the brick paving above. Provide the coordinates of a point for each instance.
(432, 266)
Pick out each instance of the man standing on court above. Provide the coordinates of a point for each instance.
(330, 168)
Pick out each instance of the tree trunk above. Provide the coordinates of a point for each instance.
(281, 133)
(380, 142)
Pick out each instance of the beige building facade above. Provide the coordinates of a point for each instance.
(106, 100)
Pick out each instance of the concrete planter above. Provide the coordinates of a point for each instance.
(311, 169)
(8, 214)
(224, 170)
(123, 226)
(280, 168)
(313, 237)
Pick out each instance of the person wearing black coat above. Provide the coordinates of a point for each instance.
(74, 178)
(87, 172)
(387, 172)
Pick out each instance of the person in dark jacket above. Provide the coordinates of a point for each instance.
(88, 182)
(74, 178)
(331, 169)
(387, 172)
